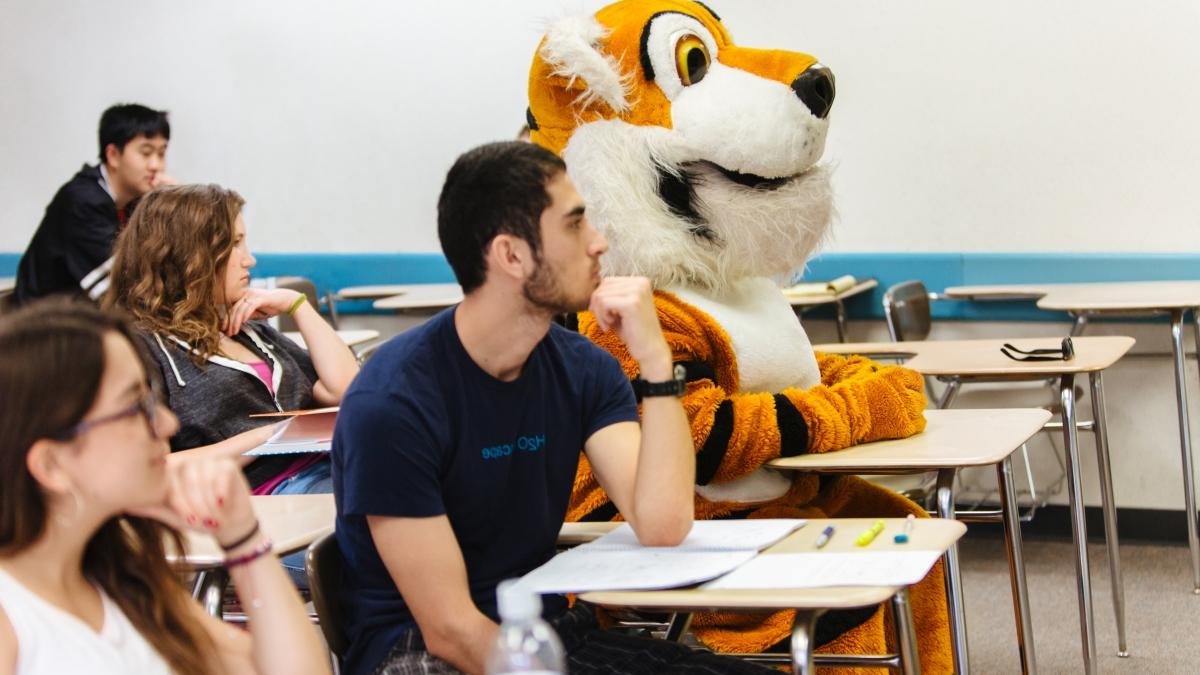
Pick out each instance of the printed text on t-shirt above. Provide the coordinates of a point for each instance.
(526, 443)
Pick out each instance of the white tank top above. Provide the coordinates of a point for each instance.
(50, 640)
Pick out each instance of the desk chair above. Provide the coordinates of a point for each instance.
(309, 289)
(323, 562)
(907, 309)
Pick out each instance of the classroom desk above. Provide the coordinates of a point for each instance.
(953, 440)
(421, 296)
(376, 292)
(800, 303)
(958, 361)
(810, 603)
(352, 338)
(292, 522)
(1082, 301)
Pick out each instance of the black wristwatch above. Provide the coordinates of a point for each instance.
(673, 387)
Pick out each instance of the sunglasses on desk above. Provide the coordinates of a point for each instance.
(1064, 353)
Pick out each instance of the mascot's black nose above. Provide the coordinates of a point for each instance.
(816, 89)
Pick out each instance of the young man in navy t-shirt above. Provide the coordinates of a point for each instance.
(456, 446)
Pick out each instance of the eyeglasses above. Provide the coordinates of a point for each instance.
(1064, 353)
(146, 406)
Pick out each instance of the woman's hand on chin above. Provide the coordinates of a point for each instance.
(205, 494)
(258, 303)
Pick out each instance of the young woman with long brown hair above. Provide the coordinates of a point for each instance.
(89, 505)
(181, 269)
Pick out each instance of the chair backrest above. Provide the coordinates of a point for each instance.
(305, 286)
(906, 308)
(323, 562)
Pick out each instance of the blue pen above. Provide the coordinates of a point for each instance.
(823, 538)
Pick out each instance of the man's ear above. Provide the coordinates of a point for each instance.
(44, 464)
(112, 154)
(510, 256)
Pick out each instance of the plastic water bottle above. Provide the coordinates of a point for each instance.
(526, 643)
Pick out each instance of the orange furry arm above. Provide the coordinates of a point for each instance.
(859, 401)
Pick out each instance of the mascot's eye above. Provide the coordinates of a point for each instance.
(691, 59)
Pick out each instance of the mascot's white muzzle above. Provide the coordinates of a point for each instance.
(748, 124)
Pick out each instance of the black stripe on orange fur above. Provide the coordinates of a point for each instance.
(793, 430)
(709, 459)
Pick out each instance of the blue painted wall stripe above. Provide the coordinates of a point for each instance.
(331, 271)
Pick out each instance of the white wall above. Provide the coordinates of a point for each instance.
(959, 126)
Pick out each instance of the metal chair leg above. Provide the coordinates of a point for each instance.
(1078, 525)
(678, 626)
(1016, 565)
(1185, 438)
(954, 589)
(840, 313)
(906, 633)
(1110, 510)
(209, 589)
(948, 393)
(803, 630)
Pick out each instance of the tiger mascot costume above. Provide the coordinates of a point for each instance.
(697, 159)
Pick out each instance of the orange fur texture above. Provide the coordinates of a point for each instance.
(857, 401)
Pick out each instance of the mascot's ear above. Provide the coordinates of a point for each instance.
(572, 50)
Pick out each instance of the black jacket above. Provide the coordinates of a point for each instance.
(215, 401)
(75, 237)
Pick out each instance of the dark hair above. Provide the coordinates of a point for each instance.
(498, 188)
(51, 364)
(169, 258)
(126, 121)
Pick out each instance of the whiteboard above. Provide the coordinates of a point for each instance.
(959, 126)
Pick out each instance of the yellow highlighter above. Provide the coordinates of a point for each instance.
(869, 536)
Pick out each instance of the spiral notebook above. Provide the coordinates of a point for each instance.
(617, 562)
(302, 431)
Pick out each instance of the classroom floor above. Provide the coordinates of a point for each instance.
(1162, 614)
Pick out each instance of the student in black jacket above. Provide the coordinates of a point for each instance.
(70, 252)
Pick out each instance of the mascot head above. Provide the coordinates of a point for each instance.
(697, 157)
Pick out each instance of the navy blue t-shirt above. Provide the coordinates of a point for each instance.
(424, 431)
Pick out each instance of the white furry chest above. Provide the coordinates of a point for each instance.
(773, 351)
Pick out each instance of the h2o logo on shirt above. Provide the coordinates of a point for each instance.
(531, 443)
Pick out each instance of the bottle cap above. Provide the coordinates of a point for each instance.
(517, 602)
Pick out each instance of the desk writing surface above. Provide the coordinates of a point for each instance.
(999, 291)
(572, 534)
(1115, 296)
(350, 337)
(292, 522)
(822, 299)
(423, 296)
(372, 292)
(982, 358)
(952, 438)
(929, 534)
(1122, 296)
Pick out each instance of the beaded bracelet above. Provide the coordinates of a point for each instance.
(296, 305)
(241, 540)
(250, 557)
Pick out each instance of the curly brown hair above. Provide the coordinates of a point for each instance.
(169, 259)
(51, 364)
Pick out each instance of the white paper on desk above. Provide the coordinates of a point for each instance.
(818, 570)
(712, 535)
(816, 288)
(582, 569)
